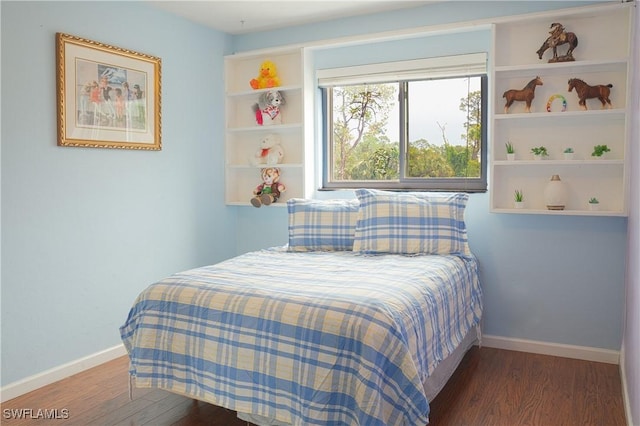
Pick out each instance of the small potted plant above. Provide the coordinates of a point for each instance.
(568, 153)
(539, 152)
(511, 152)
(518, 198)
(594, 204)
(599, 151)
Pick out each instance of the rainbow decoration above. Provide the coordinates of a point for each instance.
(553, 98)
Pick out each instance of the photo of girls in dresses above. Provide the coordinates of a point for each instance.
(110, 97)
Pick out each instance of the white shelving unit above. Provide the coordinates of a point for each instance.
(243, 135)
(604, 35)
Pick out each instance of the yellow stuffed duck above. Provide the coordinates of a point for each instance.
(267, 77)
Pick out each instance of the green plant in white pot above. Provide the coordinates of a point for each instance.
(568, 153)
(600, 150)
(518, 199)
(511, 151)
(539, 152)
(594, 204)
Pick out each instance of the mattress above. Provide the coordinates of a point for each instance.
(306, 338)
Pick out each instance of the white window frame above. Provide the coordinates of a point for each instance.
(391, 72)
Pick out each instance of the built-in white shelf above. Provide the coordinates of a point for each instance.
(243, 135)
(601, 57)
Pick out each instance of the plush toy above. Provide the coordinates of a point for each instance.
(270, 152)
(267, 78)
(267, 110)
(270, 189)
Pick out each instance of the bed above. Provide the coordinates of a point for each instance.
(359, 320)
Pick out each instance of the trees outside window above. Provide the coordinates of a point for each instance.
(417, 135)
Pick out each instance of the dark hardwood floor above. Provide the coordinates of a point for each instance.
(491, 387)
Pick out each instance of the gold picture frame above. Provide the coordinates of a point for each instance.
(108, 97)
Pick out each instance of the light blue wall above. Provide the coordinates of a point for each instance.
(550, 278)
(547, 278)
(444, 12)
(85, 230)
(406, 49)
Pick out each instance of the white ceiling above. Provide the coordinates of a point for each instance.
(246, 16)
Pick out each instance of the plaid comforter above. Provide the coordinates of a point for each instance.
(326, 338)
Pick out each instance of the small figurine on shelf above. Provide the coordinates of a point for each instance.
(559, 37)
(270, 189)
(267, 77)
(270, 152)
(585, 92)
(267, 110)
(526, 94)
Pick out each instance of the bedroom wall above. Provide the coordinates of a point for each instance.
(546, 278)
(631, 338)
(442, 12)
(85, 230)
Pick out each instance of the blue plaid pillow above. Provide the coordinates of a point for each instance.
(411, 223)
(322, 225)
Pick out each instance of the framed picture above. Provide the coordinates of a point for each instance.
(108, 97)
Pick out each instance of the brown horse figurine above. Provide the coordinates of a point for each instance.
(527, 94)
(585, 92)
(559, 37)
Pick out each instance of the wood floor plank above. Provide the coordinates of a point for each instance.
(117, 410)
(153, 411)
(490, 387)
(540, 401)
(201, 414)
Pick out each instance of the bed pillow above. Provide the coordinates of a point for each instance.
(322, 225)
(411, 223)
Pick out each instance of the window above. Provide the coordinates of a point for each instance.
(416, 127)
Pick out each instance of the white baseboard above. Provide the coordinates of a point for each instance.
(15, 389)
(554, 349)
(625, 389)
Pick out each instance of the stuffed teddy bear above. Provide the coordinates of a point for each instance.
(270, 152)
(267, 110)
(270, 189)
(267, 78)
